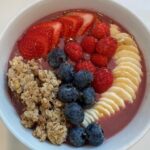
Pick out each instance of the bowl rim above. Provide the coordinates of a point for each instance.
(2, 117)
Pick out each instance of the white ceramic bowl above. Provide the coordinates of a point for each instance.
(140, 123)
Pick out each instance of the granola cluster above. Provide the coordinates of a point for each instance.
(37, 89)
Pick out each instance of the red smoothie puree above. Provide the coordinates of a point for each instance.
(115, 123)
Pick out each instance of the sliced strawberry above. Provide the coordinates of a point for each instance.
(88, 20)
(33, 46)
(71, 24)
(51, 30)
(67, 26)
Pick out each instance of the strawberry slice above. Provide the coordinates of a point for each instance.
(71, 25)
(88, 20)
(33, 46)
(51, 30)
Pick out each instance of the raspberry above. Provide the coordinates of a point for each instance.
(107, 46)
(85, 65)
(100, 30)
(74, 51)
(99, 60)
(103, 79)
(88, 44)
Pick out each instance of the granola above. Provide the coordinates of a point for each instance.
(37, 89)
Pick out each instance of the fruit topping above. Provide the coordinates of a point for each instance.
(74, 51)
(33, 46)
(88, 44)
(88, 20)
(68, 93)
(99, 60)
(95, 134)
(103, 80)
(56, 57)
(85, 65)
(76, 136)
(51, 29)
(44, 29)
(101, 30)
(107, 46)
(71, 25)
(74, 113)
(88, 97)
(66, 72)
(83, 79)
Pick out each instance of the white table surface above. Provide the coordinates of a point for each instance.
(8, 8)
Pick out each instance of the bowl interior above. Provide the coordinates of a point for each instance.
(138, 126)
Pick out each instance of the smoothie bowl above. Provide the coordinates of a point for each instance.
(75, 75)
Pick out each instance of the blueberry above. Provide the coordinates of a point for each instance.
(68, 93)
(74, 113)
(95, 135)
(66, 72)
(82, 79)
(76, 136)
(56, 57)
(88, 97)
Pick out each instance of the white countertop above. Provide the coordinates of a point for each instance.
(8, 8)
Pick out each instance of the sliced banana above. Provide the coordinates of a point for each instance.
(128, 69)
(114, 29)
(125, 53)
(127, 81)
(107, 106)
(127, 88)
(124, 39)
(85, 123)
(128, 59)
(102, 109)
(94, 113)
(113, 96)
(110, 102)
(121, 93)
(88, 118)
(135, 67)
(128, 47)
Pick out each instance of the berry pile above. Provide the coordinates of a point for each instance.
(77, 94)
(81, 66)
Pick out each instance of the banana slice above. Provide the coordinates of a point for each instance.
(129, 70)
(128, 47)
(87, 118)
(127, 81)
(85, 123)
(91, 119)
(113, 96)
(94, 113)
(128, 59)
(110, 102)
(125, 53)
(121, 93)
(114, 29)
(135, 67)
(127, 88)
(124, 39)
(125, 74)
(102, 109)
(107, 106)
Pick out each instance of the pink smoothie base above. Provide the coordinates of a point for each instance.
(111, 125)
